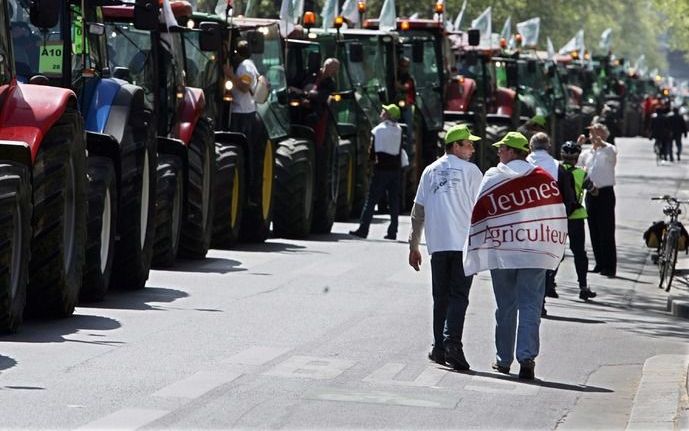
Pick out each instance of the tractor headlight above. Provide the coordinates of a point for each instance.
(229, 85)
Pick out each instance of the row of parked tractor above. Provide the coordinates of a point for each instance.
(116, 149)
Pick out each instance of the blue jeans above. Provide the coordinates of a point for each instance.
(517, 291)
(382, 181)
(450, 297)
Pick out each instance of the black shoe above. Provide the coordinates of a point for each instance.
(609, 274)
(595, 269)
(526, 370)
(437, 355)
(392, 237)
(500, 368)
(586, 293)
(454, 356)
(550, 292)
(358, 233)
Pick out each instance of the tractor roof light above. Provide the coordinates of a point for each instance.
(339, 20)
(404, 25)
(309, 19)
(439, 8)
(503, 43)
(587, 55)
(575, 54)
(518, 39)
(336, 97)
(361, 6)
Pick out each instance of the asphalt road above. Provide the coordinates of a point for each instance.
(333, 333)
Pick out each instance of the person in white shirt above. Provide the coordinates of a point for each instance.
(539, 144)
(443, 204)
(385, 152)
(599, 162)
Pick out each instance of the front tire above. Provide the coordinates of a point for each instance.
(169, 210)
(229, 195)
(294, 187)
(347, 177)
(15, 244)
(327, 183)
(59, 219)
(258, 214)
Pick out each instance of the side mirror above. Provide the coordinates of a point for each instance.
(474, 36)
(256, 41)
(210, 38)
(356, 53)
(146, 15)
(417, 52)
(97, 29)
(45, 13)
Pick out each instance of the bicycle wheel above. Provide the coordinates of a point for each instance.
(670, 260)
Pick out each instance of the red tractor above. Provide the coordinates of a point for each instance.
(42, 191)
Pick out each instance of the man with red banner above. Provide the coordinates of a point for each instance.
(518, 231)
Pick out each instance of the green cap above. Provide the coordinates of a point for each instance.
(393, 111)
(459, 132)
(538, 119)
(514, 140)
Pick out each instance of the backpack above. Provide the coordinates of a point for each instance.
(654, 233)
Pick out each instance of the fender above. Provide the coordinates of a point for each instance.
(460, 93)
(104, 145)
(96, 102)
(190, 111)
(128, 97)
(15, 151)
(175, 147)
(30, 111)
(505, 99)
(234, 138)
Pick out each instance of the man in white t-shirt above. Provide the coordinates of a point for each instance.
(443, 204)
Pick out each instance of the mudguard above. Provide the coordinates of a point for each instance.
(30, 111)
(460, 92)
(232, 138)
(173, 147)
(130, 96)
(96, 102)
(104, 145)
(190, 111)
(15, 151)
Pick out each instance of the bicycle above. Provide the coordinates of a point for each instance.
(669, 242)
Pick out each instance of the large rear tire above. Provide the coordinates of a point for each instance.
(294, 187)
(258, 214)
(197, 227)
(15, 243)
(362, 174)
(347, 176)
(59, 219)
(229, 195)
(101, 227)
(327, 183)
(136, 215)
(169, 210)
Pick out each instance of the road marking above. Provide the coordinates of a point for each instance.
(311, 367)
(429, 377)
(126, 419)
(491, 385)
(257, 355)
(438, 401)
(196, 385)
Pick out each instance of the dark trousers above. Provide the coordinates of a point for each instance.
(666, 146)
(382, 181)
(450, 297)
(577, 244)
(678, 144)
(245, 124)
(601, 210)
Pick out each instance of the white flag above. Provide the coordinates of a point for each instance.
(388, 16)
(529, 30)
(415, 15)
(574, 44)
(460, 16)
(298, 8)
(168, 15)
(506, 29)
(484, 23)
(350, 11)
(551, 50)
(606, 40)
(329, 13)
(286, 17)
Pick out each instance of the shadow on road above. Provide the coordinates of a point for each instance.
(572, 319)
(54, 331)
(6, 363)
(542, 383)
(271, 246)
(138, 299)
(209, 265)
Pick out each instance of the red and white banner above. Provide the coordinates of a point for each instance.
(518, 221)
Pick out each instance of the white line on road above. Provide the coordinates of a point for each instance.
(125, 419)
(257, 355)
(311, 367)
(377, 397)
(197, 384)
(430, 377)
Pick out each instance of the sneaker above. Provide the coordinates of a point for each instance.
(526, 370)
(437, 355)
(454, 356)
(358, 233)
(392, 237)
(500, 368)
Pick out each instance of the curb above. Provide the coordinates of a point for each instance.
(661, 393)
(678, 306)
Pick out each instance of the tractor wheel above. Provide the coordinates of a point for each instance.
(327, 183)
(347, 175)
(258, 213)
(59, 219)
(136, 215)
(229, 195)
(361, 175)
(197, 227)
(294, 187)
(15, 243)
(100, 228)
(169, 210)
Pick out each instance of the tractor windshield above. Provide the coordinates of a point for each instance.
(268, 60)
(131, 49)
(5, 59)
(203, 71)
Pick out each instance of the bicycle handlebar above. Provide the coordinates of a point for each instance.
(669, 199)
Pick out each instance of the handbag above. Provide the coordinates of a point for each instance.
(404, 158)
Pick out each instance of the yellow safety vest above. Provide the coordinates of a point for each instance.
(579, 177)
